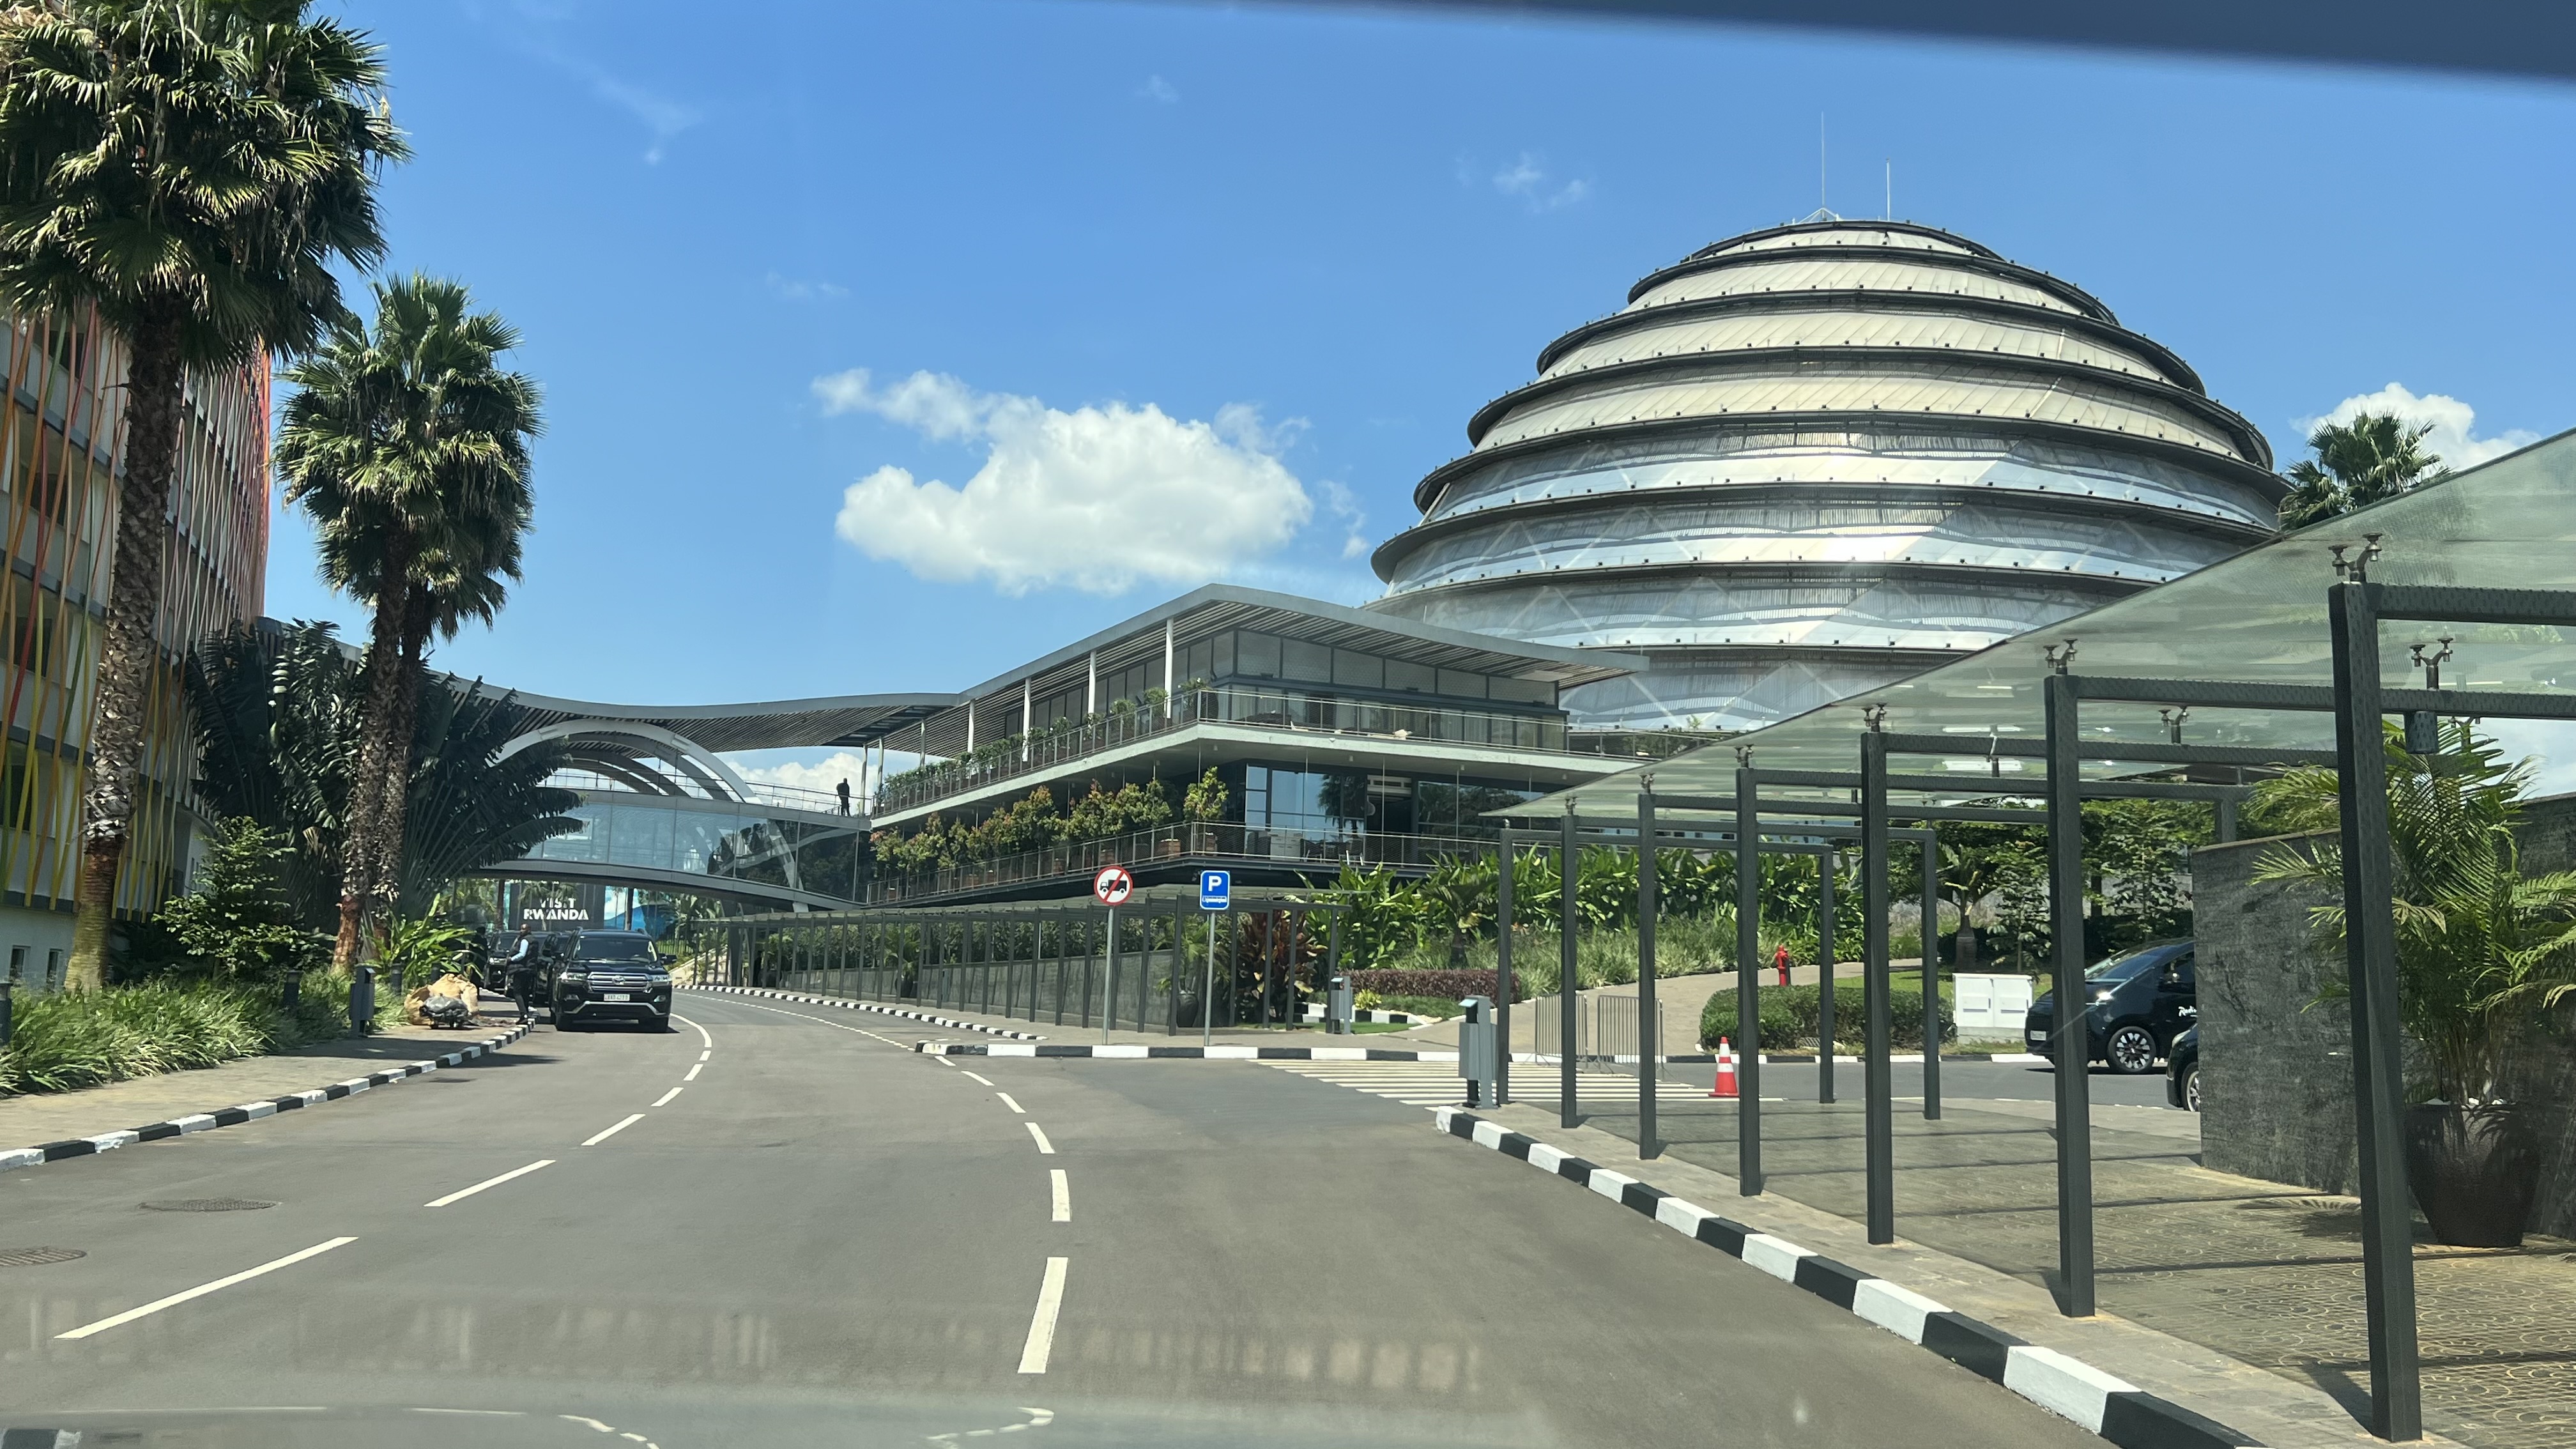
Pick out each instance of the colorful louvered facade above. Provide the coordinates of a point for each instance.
(61, 444)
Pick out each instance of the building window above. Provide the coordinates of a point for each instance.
(1354, 670)
(17, 963)
(1419, 678)
(53, 969)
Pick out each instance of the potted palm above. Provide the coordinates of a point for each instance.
(2484, 953)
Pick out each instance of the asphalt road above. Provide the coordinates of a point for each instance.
(824, 1238)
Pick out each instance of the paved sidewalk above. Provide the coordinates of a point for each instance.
(2266, 1274)
(57, 1116)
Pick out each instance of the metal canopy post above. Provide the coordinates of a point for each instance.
(2370, 959)
(1932, 976)
(2069, 1034)
(1569, 883)
(1879, 1113)
(1649, 1030)
(1825, 977)
(1503, 974)
(1748, 980)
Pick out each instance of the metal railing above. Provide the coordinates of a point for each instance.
(1605, 1031)
(1289, 710)
(1325, 851)
(756, 792)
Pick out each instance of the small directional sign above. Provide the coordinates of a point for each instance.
(1113, 885)
(1215, 886)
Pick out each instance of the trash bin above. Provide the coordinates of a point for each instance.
(362, 1000)
(1476, 1052)
(1339, 1011)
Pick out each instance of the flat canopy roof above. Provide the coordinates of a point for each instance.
(846, 719)
(2259, 617)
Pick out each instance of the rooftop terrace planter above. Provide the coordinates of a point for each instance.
(2474, 1171)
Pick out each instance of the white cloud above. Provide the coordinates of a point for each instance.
(2454, 437)
(1156, 88)
(824, 774)
(1345, 508)
(1528, 179)
(795, 289)
(1092, 499)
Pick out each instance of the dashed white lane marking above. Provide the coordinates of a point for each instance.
(693, 1072)
(972, 1077)
(1062, 1191)
(607, 1429)
(202, 1289)
(1044, 1146)
(613, 1131)
(702, 1056)
(704, 1040)
(1014, 1106)
(463, 1193)
(1038, 1419)
(667, 1096)
(1033, 1357)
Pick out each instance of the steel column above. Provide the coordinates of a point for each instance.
(2070, 1033)
(1878, 1112)
(2370, 963)
(1931, 977)
(1748, 984)
(1569, 885)
(1649, 1033)
(1503, 974)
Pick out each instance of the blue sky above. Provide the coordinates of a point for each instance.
(1182, 276)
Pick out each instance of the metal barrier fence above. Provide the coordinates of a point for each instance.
(1605, 1032)
(1142, 967)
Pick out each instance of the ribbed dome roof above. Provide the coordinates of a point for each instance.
(1811, 458)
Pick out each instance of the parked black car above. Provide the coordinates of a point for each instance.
(610, 976)
(2182, 1071)
(2141, 1002)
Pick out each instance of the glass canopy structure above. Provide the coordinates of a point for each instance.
(2259, 617)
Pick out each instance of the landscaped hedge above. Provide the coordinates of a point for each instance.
(1790, 1015)
(1446, 985)
(64, 1041)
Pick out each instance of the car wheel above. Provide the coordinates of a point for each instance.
(661, 1024)
(2191, 1089)
(2131, 1050)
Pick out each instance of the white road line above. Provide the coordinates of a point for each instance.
(985, 1081)
(702, 1056)
(613, 1131)
(464, 1193)
(1033, 1358)
(1044, 1146)
(667, 1096)
(1014, 1106)
(317, 1250)
(693, 1072)
(1063, 1194)
(834, 1025)
(703, 1039)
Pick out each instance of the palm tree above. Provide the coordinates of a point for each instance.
(2368, 460)
(408, 448)
(187, 171)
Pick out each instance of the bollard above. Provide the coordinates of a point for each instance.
(362, 1000)
(8, 1011)
(1476, 1055)
(1339, 1009)
(292, 994)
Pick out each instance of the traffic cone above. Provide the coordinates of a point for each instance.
(1724, 1086)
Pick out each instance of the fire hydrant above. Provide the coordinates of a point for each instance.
(1780, 963)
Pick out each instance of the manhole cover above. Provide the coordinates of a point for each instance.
(208, 1205)
(34, 1257)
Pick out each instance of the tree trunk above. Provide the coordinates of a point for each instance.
(361, 841)
(393, 796)
(129, 655)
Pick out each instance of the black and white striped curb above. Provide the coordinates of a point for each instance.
(1792, 1059)
(1127, 1052)
(1315, 1012)
(850, 1005)
(2111, 1407)
(248, 1111)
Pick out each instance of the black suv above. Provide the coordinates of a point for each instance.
(2141, 1002)
(610, 976)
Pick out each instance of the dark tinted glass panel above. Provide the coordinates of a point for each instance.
(1401, 675)
(1256, 655)
(1301, 660)
(1462, 684)
(1522, 691)
(1357, 670)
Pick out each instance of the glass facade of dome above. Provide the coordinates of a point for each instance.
(1814, 459)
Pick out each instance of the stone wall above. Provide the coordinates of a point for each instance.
(2276, 1063)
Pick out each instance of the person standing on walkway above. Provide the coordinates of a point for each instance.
(523, 969)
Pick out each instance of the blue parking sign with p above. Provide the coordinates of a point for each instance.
(1214, 887)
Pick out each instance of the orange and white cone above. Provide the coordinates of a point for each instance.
(1725, 1084)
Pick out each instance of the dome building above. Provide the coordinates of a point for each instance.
(1809, 460)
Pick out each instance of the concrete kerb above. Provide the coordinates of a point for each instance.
(194, 1122)
(2101, 1402)
(1117, 1051)
(871, 1006)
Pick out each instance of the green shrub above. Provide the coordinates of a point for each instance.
(64, 1041)
(1790, 1015)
